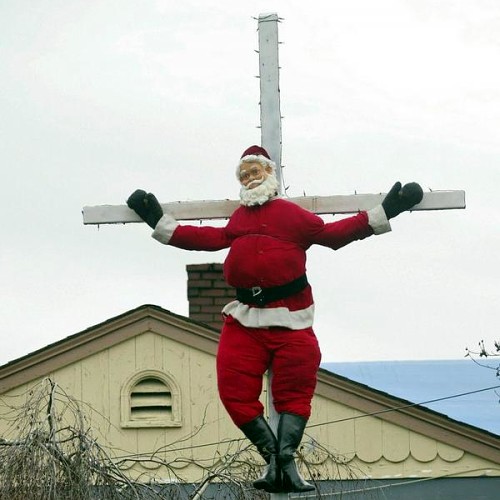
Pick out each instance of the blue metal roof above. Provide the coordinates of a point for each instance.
(423, 381)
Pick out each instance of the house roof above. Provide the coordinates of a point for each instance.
(104, 335)
(460, 388)
(200, 336)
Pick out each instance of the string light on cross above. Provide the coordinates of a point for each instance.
(270, 119)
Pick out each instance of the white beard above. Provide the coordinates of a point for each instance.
(266, 190)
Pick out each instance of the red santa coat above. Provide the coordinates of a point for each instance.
(268, 245)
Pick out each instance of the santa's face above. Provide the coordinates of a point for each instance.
(258, 183)
(252, 174)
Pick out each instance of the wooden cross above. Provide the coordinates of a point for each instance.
(270, 118)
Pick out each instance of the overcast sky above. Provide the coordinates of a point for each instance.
(98, 98)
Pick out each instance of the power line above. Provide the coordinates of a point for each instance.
(410, 405)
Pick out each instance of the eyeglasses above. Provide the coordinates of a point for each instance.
(253, 172)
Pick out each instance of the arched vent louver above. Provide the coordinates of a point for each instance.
(151, 399)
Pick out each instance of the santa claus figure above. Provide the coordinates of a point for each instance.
(269, 325)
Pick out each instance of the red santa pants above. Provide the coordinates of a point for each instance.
(245, 354)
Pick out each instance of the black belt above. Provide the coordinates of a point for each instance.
(262, 296)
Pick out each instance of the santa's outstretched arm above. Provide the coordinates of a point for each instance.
(399, 199)
(169, 232)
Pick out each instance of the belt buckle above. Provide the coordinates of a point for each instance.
(258, 295)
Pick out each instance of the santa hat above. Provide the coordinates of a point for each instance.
(256, 154)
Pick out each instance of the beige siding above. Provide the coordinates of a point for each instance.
(395, 443)
(122, 365)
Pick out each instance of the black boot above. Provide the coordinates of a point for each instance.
(290, 430)
(261, 435)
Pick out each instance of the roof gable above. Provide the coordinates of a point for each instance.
(103, 336)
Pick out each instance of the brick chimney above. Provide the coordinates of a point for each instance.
(208, 293)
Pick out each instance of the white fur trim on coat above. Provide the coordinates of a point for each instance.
(165, 229)
(255, 317)
(378, 221)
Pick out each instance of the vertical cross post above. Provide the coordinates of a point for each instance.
(270, 114)
(270, 123)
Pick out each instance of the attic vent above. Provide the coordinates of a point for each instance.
(151, 399)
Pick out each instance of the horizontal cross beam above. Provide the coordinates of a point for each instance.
(222, 209)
